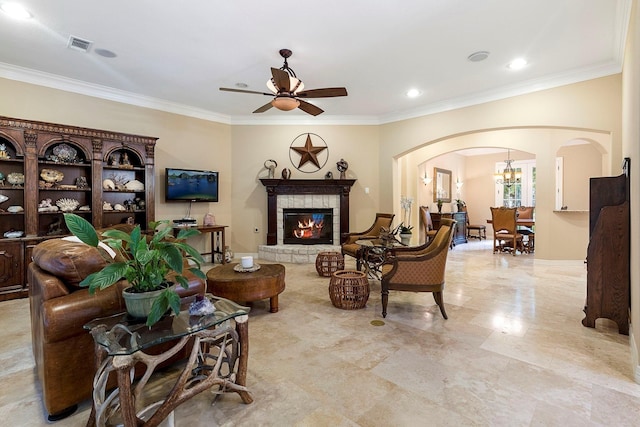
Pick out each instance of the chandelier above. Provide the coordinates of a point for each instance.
(509, 175)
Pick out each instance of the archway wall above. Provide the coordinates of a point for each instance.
(537, 124)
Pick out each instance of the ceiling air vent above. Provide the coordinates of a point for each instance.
(78, 44)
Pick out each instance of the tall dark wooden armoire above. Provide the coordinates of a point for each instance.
(608, 254)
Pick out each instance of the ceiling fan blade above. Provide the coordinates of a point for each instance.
(281, 79)
(264, 108)
(227, 89)
(309, 108)
(328, 92)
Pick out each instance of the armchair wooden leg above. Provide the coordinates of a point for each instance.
(385, 300)
(438, 297)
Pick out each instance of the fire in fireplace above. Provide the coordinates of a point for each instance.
(307, 226)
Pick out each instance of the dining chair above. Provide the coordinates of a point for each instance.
(505, 234)
(526, 212)
(480, 229)
(427, 223)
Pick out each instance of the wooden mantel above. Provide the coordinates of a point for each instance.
(275, 187)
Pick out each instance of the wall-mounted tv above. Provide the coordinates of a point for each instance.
(189, 185)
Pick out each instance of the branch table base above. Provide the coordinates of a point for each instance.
(218, 358)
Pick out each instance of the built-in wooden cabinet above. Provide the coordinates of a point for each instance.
(106, 177)
(609, 251)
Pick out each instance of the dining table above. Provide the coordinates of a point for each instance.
(526, 222)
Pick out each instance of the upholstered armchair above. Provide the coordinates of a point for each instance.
(421, 269)
(351, 248)
(62, 349)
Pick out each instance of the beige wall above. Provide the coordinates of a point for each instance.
(537, 123)
(183, 141)
(631, 148)
(252, 145)
(580, 162)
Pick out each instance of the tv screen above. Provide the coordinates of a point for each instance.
(188, 185)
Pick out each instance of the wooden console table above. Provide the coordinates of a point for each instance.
(218, 242)
(219, 354)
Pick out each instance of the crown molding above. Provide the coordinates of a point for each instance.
(39, 78)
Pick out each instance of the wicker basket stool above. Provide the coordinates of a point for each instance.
(328, 263)
(349, 289)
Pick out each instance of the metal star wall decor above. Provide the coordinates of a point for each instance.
(313, 156)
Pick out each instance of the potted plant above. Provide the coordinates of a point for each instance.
(439, 204)
(405, 233)
(144, 263)
(461, 204)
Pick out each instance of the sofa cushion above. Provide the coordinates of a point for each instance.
(70, 261)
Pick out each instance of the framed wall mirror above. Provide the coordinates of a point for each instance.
(442, 185)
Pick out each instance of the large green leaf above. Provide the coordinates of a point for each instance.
(168, 298)
(105, 277)
(82, 229)
(173, 257)
(187, 232)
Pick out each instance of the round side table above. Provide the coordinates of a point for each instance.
(328, 263)
(349, 289)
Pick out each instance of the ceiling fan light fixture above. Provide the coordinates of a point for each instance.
(295, 84)
(285, 103)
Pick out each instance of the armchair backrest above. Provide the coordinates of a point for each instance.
(382, 220)
(503, 219)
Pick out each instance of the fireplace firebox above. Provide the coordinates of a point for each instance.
(307, 226)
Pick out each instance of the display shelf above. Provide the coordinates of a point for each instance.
(83, 157)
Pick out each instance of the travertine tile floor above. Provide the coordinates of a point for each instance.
(513, 353)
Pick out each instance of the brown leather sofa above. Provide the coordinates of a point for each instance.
(63, 350)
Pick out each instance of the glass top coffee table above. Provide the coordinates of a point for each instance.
(373, 253)
(218, 357)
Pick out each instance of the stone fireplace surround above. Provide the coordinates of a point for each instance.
(304, 193)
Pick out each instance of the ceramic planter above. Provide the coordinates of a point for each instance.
(139, 303)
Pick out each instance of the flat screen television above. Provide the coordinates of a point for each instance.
(190, 185)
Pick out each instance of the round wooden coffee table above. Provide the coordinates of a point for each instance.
(267, 282)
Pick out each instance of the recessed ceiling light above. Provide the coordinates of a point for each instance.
(517, 64)
(242, 85)
(478, 56)
(105, 52)
(413, 93)
(15, 10)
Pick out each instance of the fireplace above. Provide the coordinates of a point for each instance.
(307, 226)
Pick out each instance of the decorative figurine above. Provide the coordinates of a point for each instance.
(2, 179)
(342, 166)
(113, 160)
(81, 182)
(209, 220)
(124, 160)
(271, 165)
(3, 152)
(286, 173)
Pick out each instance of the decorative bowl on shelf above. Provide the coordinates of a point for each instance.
(15, 178)
(51, 175)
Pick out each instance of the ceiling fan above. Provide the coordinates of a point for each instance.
(287, 90)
